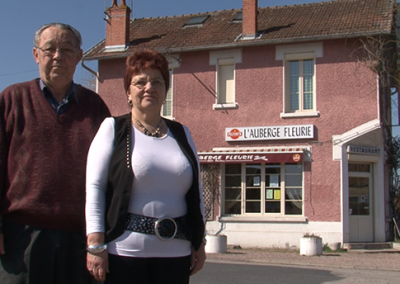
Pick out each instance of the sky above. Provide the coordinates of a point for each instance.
(19, 20)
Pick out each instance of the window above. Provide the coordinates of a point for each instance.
(174, 61)
(225, 62)
(293, 189)
(366, 168)
(301, 85)
(233, 189)
(196, 21)
(360, 189)
(167, 106)
(299, 92)
(272, 188)
(226, 81)
(238, 18)
(263, 189)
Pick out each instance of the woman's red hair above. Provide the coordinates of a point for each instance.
(141, 60)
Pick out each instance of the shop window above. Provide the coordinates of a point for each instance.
(293, 189)
(263, 189)
(273, 188)
(233, 189)
(253, 189)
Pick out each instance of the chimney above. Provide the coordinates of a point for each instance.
(118, 19)
(249, 14)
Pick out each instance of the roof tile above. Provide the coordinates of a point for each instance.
(340, 18)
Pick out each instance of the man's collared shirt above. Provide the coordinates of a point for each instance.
(59, 107)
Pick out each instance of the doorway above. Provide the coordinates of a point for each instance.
(360, 203)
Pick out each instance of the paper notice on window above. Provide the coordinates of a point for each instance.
(274, 181)
(277, 194)
(270, 194)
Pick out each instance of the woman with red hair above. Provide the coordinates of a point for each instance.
(144, 205)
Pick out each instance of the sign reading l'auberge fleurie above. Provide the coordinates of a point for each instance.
(269, 132)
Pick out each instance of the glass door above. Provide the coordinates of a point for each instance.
(360, 203)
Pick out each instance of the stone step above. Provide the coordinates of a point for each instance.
(368, 246)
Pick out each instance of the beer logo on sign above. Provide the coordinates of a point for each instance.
(296, 157)
(235, 133)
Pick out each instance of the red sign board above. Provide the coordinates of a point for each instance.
(250, 158)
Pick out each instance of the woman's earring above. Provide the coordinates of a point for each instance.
(130, 102)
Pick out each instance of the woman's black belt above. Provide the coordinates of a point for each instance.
(164, 228)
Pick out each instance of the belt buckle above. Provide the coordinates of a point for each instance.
(165, 228)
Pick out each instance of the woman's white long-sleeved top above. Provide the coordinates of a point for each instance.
(162, 177)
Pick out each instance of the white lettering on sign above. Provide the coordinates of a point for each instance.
(363, 150)
(237, 158)
(211, 158)
(269, 132)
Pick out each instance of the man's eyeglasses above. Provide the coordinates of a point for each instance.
(51, 51)
(142, 83)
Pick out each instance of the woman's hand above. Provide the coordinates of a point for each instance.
(97, 264)
(198, 259)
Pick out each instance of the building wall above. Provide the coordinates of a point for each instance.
(111, 85)
(341, 84)
(347, 97)
(275, 234)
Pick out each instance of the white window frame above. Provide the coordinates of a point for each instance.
(298, 52)
(226, 73)
(218, 58)
(262, 213)
(169, 96)
(174, 61)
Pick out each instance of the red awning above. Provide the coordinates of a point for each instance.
(253, 156)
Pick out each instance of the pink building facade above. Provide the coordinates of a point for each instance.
(290, 132)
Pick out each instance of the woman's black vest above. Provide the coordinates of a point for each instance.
(120, 179)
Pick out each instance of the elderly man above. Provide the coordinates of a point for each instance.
(46, 127)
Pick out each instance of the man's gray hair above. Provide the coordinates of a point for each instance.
(62, 26)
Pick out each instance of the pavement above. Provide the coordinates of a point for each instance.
(383, 260)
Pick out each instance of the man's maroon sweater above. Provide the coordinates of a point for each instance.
(43, 156)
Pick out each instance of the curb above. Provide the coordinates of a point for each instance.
(379, 260)
(300, 264)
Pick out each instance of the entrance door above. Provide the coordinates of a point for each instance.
(360, 203)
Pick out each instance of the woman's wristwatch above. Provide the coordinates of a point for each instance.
(96, 249)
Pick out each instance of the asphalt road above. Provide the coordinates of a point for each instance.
(245, 273)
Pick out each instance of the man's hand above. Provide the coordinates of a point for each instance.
(2, 252)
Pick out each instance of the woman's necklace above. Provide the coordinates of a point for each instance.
(157, 133)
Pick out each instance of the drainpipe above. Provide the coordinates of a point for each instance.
(96, 74)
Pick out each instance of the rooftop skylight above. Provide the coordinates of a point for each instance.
(238, 18)
(195, 21)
